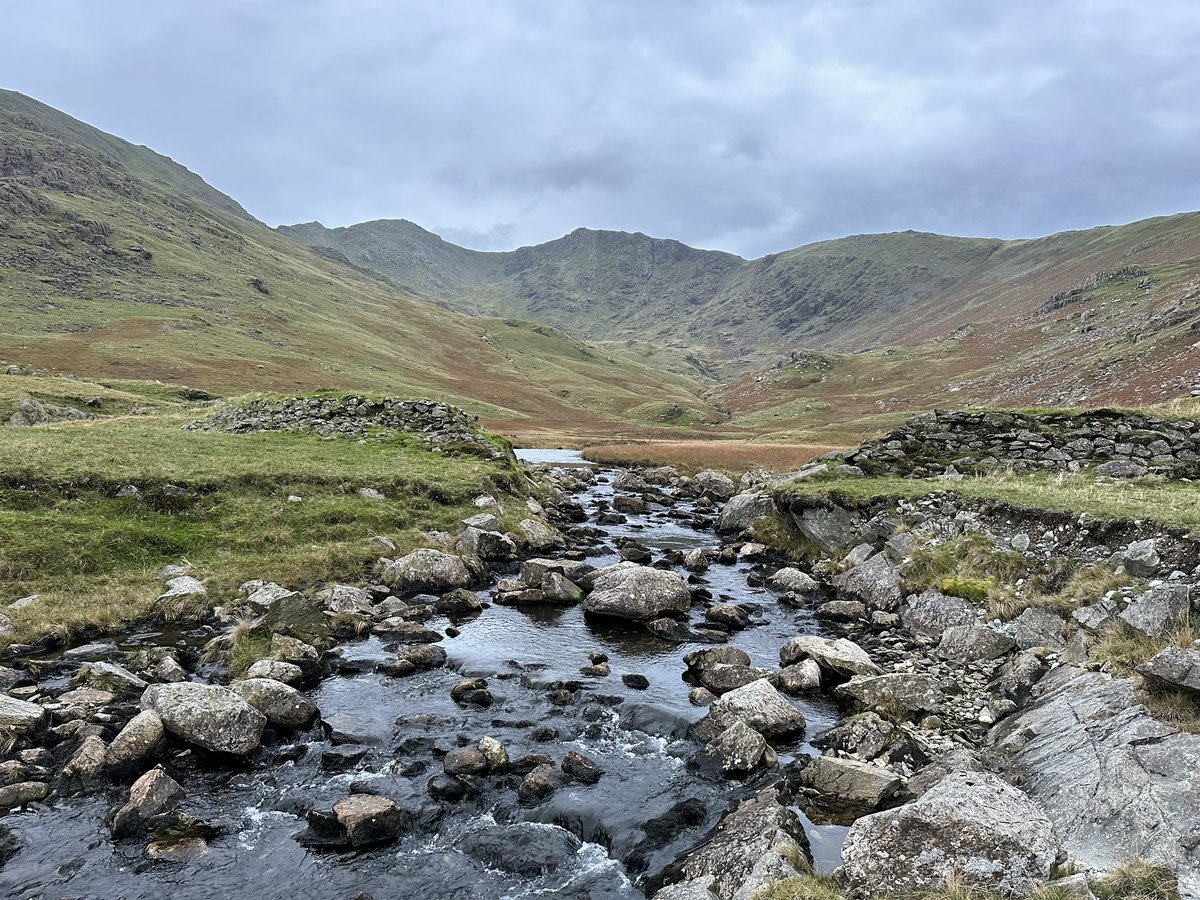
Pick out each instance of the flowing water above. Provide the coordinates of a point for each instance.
(638, 737)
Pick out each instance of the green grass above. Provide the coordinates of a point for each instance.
(1137, 881)
(1167, 502)
(66, 535)
(1123, 648)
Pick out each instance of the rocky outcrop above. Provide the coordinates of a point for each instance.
(740, 513)
(1115, 781)
(973, 825)
(428, 571)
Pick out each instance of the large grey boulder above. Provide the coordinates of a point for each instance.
(1174, 668)
(154, 793)
(282, 705)
(974, 643)
(1113, 779)
(875, 583)
(831, 529)
(487, 545)
(739, 514)
(538, 535)
(19, 716)
(207, 715)
(137, 744)
(1039, 627)
(428, 571)
(797, 582)
(971, 824)
(849, 785)
(759, 706)
(890, 695)
(637, 593)
(1139, 559)
(759, 842)
(835, 656)
(931, 612)
(739, 749)
(1160, 609)
(714, 484)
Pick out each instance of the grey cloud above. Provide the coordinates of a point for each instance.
(748, 125)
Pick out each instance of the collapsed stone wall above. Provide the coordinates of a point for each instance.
(1123, 445)
(439, 425)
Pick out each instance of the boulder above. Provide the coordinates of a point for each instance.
(465, 761)
(207, 715)
(86, 766)
(973, 643)
(739, 514)
(931, 612)
(528, 849)
(1139, 559)
(893, 694)
(292, 650)
(154, 793)
(799, 678)
(760, 841)
(557, 588)
(19, 716)
(723, 678)
(109, 677)
(637, 593)
(848, 785)
(538, 535)
(276, 670)
(580, 768)
(832, 529)
(713, 484)
(297, 615)
(137, 744)
(875, 584)
(283, 706)
(424, 571)
(791, 579)
(1159, 609)
(837, 657)
(1039, 627)
(1175, 668)
(759, 706)
(539, 784)
(487, 545)
(1110, 776)
(738, 749)
(971, 824)
(369, 819)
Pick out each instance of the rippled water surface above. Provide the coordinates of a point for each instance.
(637, 737)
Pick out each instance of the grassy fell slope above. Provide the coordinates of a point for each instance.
(115, 262)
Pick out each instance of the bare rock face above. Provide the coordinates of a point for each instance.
(971, 643)
(759, 842)
(888, 694)
(1109, 775)
(637, 593)
(875, 584)
(974, 824)
(931, 612)
(739, 514)
(207, 715)
(1174, 668)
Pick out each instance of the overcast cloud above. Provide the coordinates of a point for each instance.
(745, 126)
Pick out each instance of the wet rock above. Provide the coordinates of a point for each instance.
(849, 786)
(528, 849)
(283, 706)
(972, 643)
(894, 695)
(19, 716)
(472, 692)
(737, 750)
(699, 660)
(428, 570)
(557, 588)
(673, 630)
(154, 793)
(799, 678)
(414, 658)
(448, 788)
(465, 761)
(539, 784)
(212, 717)
(931, 612)
(181, 850)
(369, 819)
(701, 696)
(637, 593)
(109, 677)
(495, 754)
(1158, 610)
(85, 769)
(635, 681)
(596, 670)
(839, 657)
(297, 615)
(759, 842)
(875, 584)
(296, 652)
(406, 632)
(277, 670)
(972, 824)
(1174, 668)
(342, 758)
(739, 514)
(759, 706)
(842, 611)
(580, 768)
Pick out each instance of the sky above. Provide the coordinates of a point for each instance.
(738, 125)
